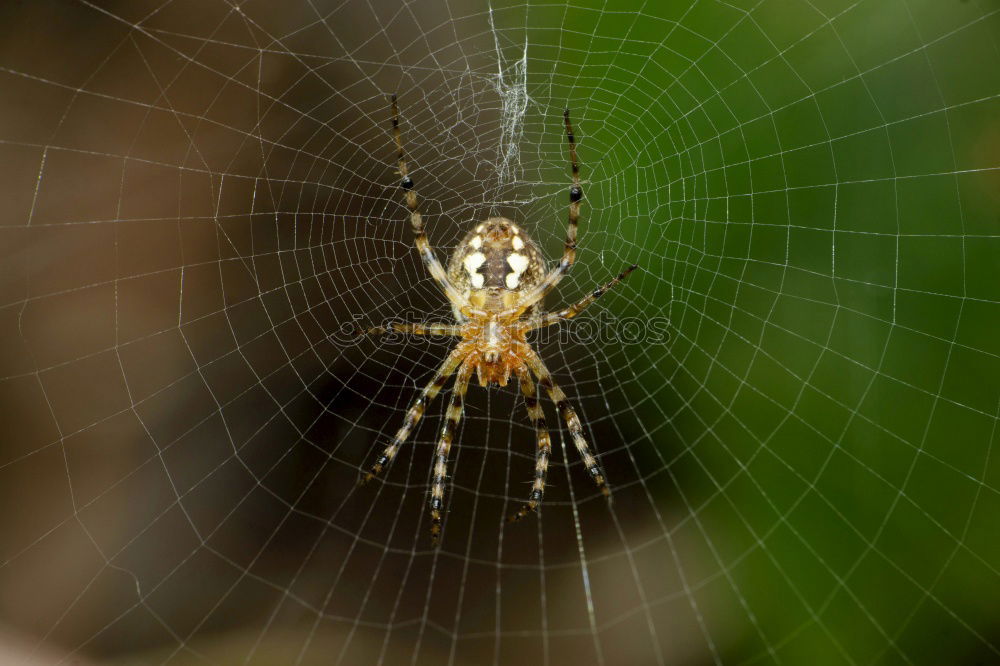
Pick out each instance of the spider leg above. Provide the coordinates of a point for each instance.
(414, 414)
(575, 309)
(569, 415)
(569, 250)
(544, 443)
(412, 329)
(430, 260)
(452, 418)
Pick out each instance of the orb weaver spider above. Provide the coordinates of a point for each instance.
(496, 280)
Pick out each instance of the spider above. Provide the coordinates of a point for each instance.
(496, 280)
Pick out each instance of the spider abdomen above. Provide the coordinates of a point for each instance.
(495, 263)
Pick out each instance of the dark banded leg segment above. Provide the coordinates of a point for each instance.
(417, 221)
(572, 420)
(576, 308)
(569, 249)
(544, 450)
(452, 418)
(414, 414)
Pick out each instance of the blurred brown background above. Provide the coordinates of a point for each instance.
(195, 197)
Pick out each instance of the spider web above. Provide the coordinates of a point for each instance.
(795, 399)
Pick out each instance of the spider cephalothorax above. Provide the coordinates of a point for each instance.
(496, 281)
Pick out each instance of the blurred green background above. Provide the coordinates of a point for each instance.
(813, 192)
(198, 194)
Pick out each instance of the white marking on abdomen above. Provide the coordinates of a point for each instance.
(472, 264)
(518, 264)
